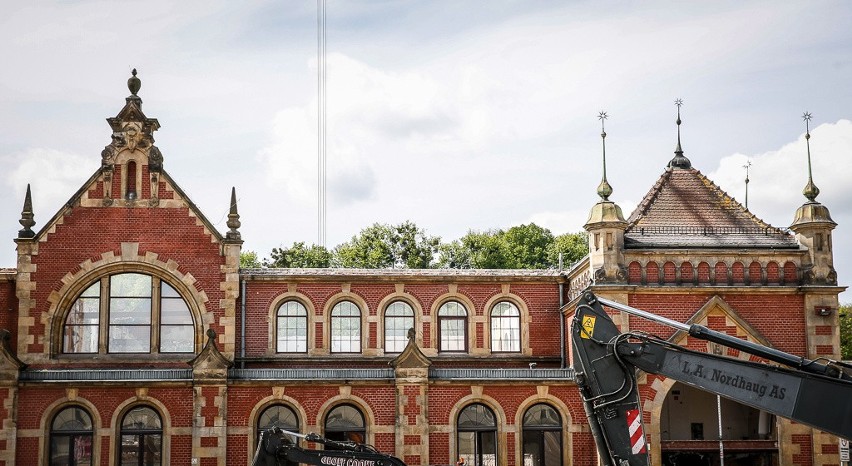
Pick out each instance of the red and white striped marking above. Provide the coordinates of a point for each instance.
(634, 426)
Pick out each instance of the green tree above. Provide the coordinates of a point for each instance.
(476, 250)
(846, 332)
(573, 246)
(382, 246)
(527, 247)
(249, 260)
(300, 256)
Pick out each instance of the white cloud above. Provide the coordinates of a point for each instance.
(54, 177)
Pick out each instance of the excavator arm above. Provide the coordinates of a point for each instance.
(816, 393)
(276, 448)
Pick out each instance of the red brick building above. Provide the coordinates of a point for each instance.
(133, 337)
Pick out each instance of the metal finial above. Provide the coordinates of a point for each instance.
(604, 188)
(811, 191)
(233, 217)
(134, 83)
(679, 160)
(27, 217)
(746, 166)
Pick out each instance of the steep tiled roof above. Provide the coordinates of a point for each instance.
(685, 209)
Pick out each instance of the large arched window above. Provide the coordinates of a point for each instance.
(279, 416)
(542, 436)
(141, 438)
(345, 328)
(505, 328)
(131, 313)
(452, 327)
(399, 318)
(292, 328)
(345, 423)
(71, 434)
(477, 436)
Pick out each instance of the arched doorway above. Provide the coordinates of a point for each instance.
(689, 431)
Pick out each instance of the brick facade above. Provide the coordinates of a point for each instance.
(132, 218)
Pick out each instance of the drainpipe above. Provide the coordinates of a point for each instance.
(242, 323)
(561, 319)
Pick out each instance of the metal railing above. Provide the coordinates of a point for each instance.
(104, 375)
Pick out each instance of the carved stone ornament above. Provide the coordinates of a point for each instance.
(411, 362)
(619, 275)
(210, 366)
(155, 159)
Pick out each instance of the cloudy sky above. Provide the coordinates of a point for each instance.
(456, 115)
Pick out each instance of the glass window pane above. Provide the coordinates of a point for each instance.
(278, 416)
(452, 308)
(345, 328)
(467, 447)
(152, 448)
(84, 311)
(130, 450)
(167, 291)
(399, 318)
(129, 285)
(60, 450)
(505, 328)
(80, 339)
(176, 339)
(141, 418)
(344, 417)
(129, 339)
(130, 311)
(292, 327)
(476, 416)
(542, 415)
(72, 419)
(553, 448)
(174, 311)
(92, 291)
(452, 334)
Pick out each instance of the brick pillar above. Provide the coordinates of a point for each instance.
(411, 369)
(210, 405)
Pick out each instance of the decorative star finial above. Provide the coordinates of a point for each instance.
(604, 189)
(746, 166)
(811, 191)
(679, 160)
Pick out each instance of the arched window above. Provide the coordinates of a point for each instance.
(131, 193)
(505, 328)
(71, 436)
(345, 423)
(346, 328)
(279, 416)
(452, 327)
(399, 317)
(142, 314)
(292, 328)
(477, 436)
(542, 436)
(141, 440)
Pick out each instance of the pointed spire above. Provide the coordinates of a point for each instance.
(604, 189)
(679, 160)
(233, 217)
(27, 217)
(810, 191)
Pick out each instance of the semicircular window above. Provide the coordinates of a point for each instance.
(477, 435)
(542, 436)
(345, 423)
(71, 436)
(141, 438)
(129, 313)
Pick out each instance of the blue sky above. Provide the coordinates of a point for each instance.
(455, 115)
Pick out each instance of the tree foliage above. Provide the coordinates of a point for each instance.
(382, 246)
(520, 247)
(300, 256)
(249, 260)
(846, 332)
